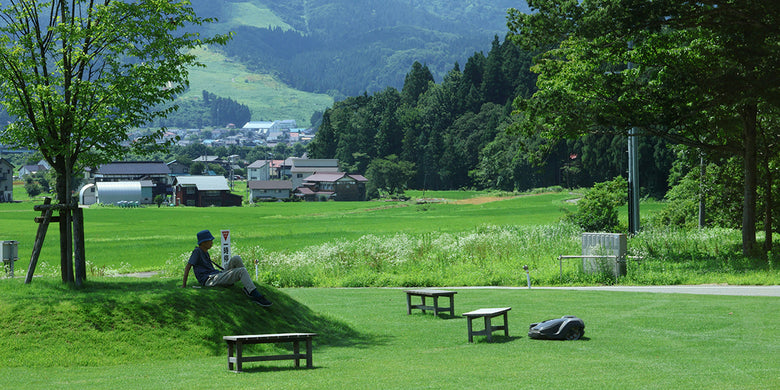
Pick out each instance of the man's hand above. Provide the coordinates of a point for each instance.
(186, 274)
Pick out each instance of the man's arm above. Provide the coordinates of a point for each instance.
(186, 274)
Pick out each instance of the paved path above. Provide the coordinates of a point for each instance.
(710, 289)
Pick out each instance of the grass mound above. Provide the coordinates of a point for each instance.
(120, 320)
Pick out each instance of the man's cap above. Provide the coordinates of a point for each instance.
(204, 235)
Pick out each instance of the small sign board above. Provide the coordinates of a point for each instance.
(225, 236)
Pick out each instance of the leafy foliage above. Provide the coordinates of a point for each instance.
(699, 74)
(455, 132)
(597, 210)
(37, 183)
(388, 175)
(75, 75)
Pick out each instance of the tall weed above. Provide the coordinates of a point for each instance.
(495, 255)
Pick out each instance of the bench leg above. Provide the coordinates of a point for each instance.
(436, 305)
(422, 303)
(408, 303)
(296, 352)
(239, 355)
(471, 329)
(488, 328)
(506, 325)
(230, 355)
(309, 362)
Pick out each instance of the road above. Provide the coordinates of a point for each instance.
(707, 289)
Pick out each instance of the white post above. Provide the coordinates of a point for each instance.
(527, 276)
(225, 235)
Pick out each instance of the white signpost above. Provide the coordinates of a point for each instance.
(225, 234)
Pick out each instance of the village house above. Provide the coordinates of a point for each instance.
(213, 160)
(270, 189)
(261, 127)
(301, 168)
(155, 175)
(203, 191)
(31, 169)
(259, 170)
(338, 186)
(177, 168)
(6, 181)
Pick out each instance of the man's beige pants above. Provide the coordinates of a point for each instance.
(234, 272)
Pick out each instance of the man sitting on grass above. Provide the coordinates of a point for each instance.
(201, 263)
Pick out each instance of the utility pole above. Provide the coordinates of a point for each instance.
(633, 182)
(633, 173)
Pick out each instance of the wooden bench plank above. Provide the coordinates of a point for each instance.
(236, 344)
(487, 314)
(433, 293)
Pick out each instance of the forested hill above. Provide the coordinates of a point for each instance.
(346, 47)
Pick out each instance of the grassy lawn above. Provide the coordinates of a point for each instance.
(127, 333)
(120, 332)
(141, 239)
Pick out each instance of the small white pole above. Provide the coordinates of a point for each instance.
(527, 276)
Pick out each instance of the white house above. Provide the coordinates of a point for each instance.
(6, 181)
(269, 189)
(259, 170)
(261, 127)
(301, 168)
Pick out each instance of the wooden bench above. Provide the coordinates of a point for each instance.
(487, 314)
(236, 345)
(435, 294)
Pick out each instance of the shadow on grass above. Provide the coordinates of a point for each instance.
(495, 339)
(255, 368)
(160, 312)
(442, 316)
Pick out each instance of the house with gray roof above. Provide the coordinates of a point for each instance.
(270, 189)
(301, 168)
(204, 191)
(155, 171)
(259, 170)
(337, 186)
(6, 181)
(31, 169)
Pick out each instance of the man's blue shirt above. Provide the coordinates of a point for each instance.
(201, 264)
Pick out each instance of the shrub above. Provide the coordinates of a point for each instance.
(597, 210)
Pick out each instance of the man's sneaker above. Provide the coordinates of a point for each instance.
(258, 298)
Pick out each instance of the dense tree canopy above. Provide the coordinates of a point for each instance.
(454, 133)
(702, 74)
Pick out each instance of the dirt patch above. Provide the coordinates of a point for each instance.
(483, 199)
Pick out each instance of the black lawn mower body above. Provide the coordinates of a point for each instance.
(564, 328)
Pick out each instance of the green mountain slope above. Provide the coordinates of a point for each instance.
(336, 47)
(266, 96)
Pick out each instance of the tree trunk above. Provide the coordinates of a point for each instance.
(749, 114)
(768, 203)
(66, 232)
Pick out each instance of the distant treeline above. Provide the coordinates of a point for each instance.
(455, 133)
(212, 110)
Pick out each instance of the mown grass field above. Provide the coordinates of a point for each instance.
(127, 333)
